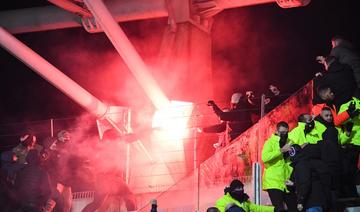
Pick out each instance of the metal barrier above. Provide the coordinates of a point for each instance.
(81, 199)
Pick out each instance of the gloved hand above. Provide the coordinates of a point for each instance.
(211, 103)
(352, 111)
(308, 127)
(226, 189)
(348, 127)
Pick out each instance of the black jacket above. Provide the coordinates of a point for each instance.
(341, 80)
(331, 155)
(311, 176)
(312, 181)
(217, 128)
(32, 184)
(237, 119)
(346, 54)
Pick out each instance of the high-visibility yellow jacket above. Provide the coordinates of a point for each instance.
(297, 135)
(355, 133)
(246, 206)
(277, 169)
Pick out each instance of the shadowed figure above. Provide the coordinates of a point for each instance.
(109, 180)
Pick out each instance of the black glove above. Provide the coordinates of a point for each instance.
(351, 108)
(282, 142)
(226, 189)
(211, 103)
(308, 127)
(352, 111)
(348, 127)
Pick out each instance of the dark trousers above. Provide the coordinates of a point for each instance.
(278, 198)
(350, 169)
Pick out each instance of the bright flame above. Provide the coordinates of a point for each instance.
(172, 120)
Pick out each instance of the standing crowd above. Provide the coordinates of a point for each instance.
(307, 168)
(312, 166)
(38, 177)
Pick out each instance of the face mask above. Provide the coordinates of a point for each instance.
(283, 136)
(309, 126)
(239, 195)
(283, 139)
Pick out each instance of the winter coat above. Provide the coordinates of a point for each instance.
(247, 206)
(32, 183)
(331, 155)
(312, 182)
(238, 120)
(222, 130)
(275, 100)
(277, 169)
(346, 54)
(341, 79)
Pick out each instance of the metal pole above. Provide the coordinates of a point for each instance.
(127, 120)
(196, 168)
(128, 53)
(52, 74)
(262, 114)
(257, 182)
(198, 189)
(52, 127)
(257, 166)
(196, 171)
(127, 172)
(195, 149)
(59, 80)
(52, 18)
(122, 131)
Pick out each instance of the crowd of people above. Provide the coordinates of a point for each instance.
(318, 159)
(38, 177)
(244, 111)
(312, 166)
(307, 168)
(31, 178)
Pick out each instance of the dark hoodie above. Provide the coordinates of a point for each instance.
(32, 183)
